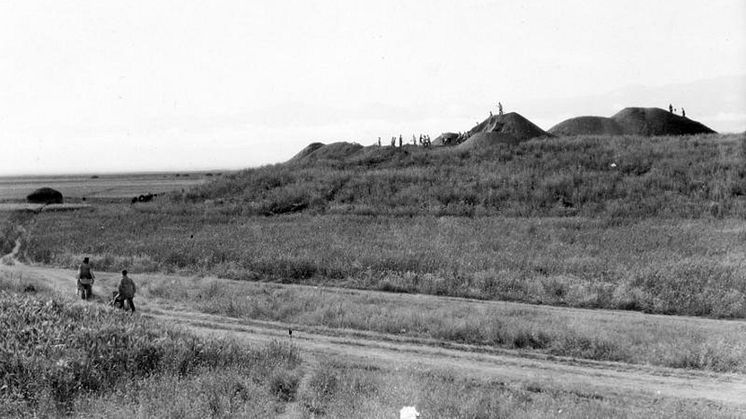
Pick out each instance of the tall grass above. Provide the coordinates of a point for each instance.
(669, 266)
(607, 336)
(625, 176)
(342, 389)
(82, 360)
(54, 355)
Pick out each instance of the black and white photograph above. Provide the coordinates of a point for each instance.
(402, 209)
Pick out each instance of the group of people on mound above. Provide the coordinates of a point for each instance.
(121, 298)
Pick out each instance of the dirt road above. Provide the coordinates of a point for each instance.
(602, 379)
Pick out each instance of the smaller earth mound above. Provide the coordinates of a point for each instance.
(333, 151)
(656, 121)
(487, 139)
(510, 123)
(45, 196)
(587, 125)
(306, 151)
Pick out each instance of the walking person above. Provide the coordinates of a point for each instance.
(127, 291)
(683, 112)
(85, 279)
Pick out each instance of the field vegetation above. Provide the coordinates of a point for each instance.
(631, 223)
(55, 357)
(649, 224)
(84, 360)
(669, 266)
(623, 176)
(599, 335)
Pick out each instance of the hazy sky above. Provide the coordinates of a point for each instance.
(93, 86)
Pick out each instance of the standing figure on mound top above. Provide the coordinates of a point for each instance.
(499, 108)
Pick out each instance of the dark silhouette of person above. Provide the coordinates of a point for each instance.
(85, 279)
(499, 108)
(127, 291)
(670, 108)
(683, 112)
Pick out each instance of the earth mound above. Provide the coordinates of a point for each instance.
(656, 121)
(487, 139)
(510, 123)
(45, 196)
(587, 125)
(333, 151)
(306, 151)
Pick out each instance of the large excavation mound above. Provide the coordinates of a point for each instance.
(587, 125)
(333, 151)
(631, 121)
(656, 121)
(512, 124)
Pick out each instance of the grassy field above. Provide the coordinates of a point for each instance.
(59, 358)
(546, 222)
(670, 266)
(600, 335)
(625, 176)
(76, 359)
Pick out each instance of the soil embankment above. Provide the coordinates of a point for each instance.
(631, 121)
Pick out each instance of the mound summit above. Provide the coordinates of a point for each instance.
(632, 121)
(512, 124)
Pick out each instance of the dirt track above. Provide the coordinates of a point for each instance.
(603, 379)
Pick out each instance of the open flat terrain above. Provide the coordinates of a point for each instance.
(77, 187)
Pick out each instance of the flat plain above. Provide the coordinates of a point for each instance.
(76, 187)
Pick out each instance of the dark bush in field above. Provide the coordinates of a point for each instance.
(45, 196)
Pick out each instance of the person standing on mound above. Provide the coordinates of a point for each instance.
(127, 291)
(85, 279)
